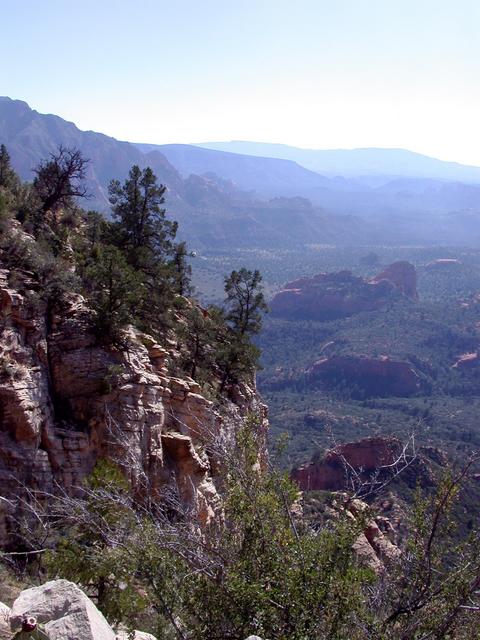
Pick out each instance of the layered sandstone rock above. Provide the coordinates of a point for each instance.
(372, 376)
(377, 546)
(66, 401)
(328, 296)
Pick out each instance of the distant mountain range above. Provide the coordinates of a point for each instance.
(224, 199)
(266, 176)
(377, 163)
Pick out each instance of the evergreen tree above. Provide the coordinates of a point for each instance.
(182, 270)
(143, 228)
(8, 177)
(199, 339)
(61, 179)
(245, 301)
(114, 292)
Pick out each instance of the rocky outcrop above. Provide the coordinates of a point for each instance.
(363, 457)
(402, 275)
(378, 544)
(370, 376)
(376, 547)
(327, 296)
(379, 458)
(467, 361)
(67, 401)
(441, 263)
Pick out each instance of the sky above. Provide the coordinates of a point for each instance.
(318, 74)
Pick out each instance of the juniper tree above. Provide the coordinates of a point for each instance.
(61, 179)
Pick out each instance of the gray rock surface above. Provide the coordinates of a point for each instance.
(64, 610)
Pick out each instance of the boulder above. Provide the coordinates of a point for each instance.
(64, 610)
(366, 554)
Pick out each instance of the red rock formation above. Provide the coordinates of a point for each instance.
(65, 401)
(334, 295)
(402, 275)
(330, 473)
(374, 376)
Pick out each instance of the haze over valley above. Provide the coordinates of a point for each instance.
(240, 320)
(226, 199)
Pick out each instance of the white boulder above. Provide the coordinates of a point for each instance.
(64, 610)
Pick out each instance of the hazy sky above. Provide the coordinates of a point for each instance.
(311, 73)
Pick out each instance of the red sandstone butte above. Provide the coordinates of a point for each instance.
(375, 376)
(403, 275)
(327, 296)
(330, 473)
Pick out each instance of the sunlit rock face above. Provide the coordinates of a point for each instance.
(66, 402)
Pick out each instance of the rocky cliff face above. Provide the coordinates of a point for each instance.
(335, 295)
(66, 401)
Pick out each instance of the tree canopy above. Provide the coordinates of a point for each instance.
(61, 178)
(141, 221)
(245, 301)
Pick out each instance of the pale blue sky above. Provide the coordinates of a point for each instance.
(311, 73)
